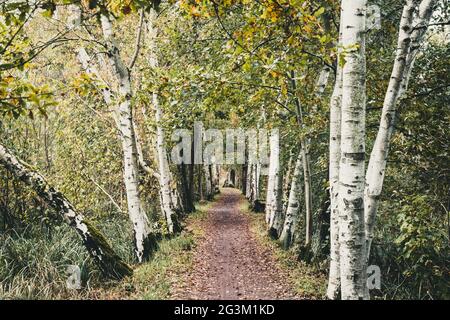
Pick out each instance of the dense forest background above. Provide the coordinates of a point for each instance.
(229, 64)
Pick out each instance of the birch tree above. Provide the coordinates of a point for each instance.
(274, 206)
(256, 173)
(335, 156)
(95, 243)
(411, 36)
(351, 168)
(248, 188)
(208, 182)
(304, 150)
(293, 211)
(170, 204)
(144, 241)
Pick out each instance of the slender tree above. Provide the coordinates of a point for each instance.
(334, 279)
(411, 36)
(351, 168)
(293, 208)
(144, 240)
(95, 243)
(170, 204)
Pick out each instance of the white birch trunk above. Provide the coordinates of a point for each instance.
(334, 280)
(351, 171)
(215, 178)
(253, 186)
(308, 191)
(208, 182)
(255, 177)
(140, 155)
(170, 203)
(165, 181)
(276, 189)
(251, 192)
(97, 246)
(304, 149)
(269, 191)
(248, 189)
(411, 34)
(288, 233)
(287, 182)
(136, 212)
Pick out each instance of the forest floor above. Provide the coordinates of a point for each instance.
(223, 252)
(229, 262)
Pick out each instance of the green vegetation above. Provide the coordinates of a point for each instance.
(98, 127)
(33, 266)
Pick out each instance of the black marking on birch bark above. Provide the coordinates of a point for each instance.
(357, 156)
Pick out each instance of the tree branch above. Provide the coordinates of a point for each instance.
(138, 40)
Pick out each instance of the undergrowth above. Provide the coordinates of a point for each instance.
(33, 263)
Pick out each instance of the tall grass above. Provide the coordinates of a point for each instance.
(34, 261)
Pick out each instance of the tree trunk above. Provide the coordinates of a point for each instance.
(144, 241)
(274, 192)
(308, 193)
(244, 178)
(269, 190)
(108, 261)
(334, 280)
(165, 182)
(304, 149)
(208, 182)
(351, 170)
(287, 182)
(253, 184)
(256, 172)
(288, 235)
(191, 179)
(411, 34)
(215, 178)
(200, 186)
(250, 183)
(170, 204)
(187, 193)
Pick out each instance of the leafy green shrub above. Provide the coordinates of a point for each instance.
(423, 248)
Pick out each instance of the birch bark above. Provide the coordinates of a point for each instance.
(411, 34)
(170, 203)
(256, 177)
(304, 150)
(270, 187)
(287, 181)
(97, 246)
(276, 188)
(351, 169)
(334, 280)
(287, 237)
(248, 189)
(208, 182)
(141, 226)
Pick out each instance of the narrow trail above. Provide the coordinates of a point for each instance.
(229, 263)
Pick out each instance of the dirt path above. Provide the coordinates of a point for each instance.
(229, 263)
